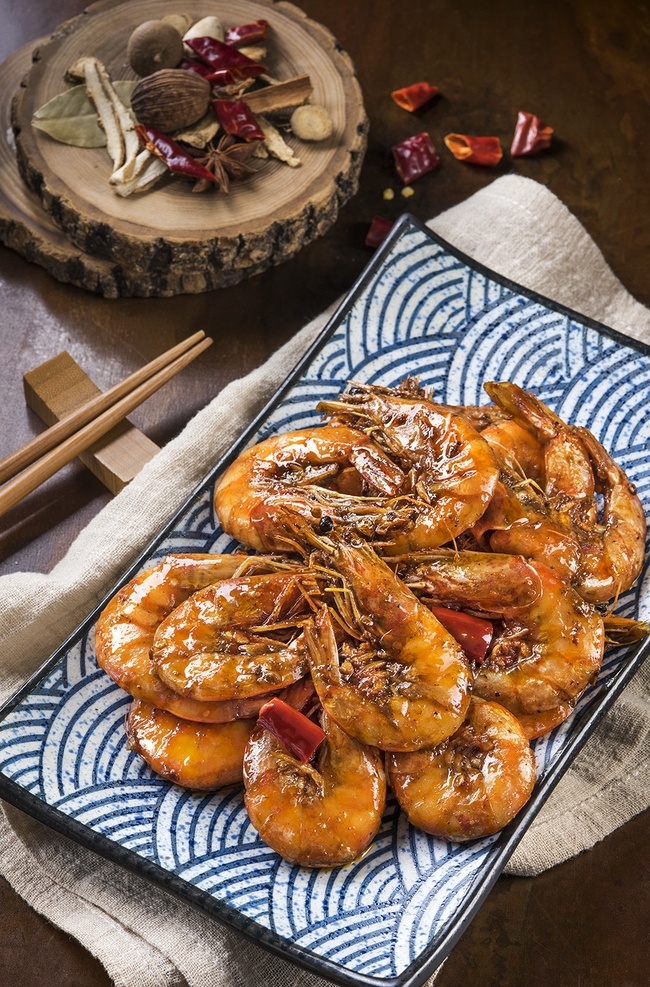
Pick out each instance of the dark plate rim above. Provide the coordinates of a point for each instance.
(433, 955)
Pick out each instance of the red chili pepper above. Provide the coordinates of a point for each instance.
(414, 157)
(176, 159)
(378, 231)
(191, 65)
(247, 34)
(475, 150)
(474, 634)
(411, 98)
(237, 118)
(295, 731)
(531, 135)
(223, 58)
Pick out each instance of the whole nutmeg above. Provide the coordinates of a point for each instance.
(154, 45)
(171, 99)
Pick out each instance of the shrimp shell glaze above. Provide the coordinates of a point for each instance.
(471, 785)
(447, 463)
(611, 547)
(201, 756)
(320, 814)
(334, 472)
(126, 627)
(545, 652)
(237, 638)
(401, 682)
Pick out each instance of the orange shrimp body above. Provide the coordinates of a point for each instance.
(321, 814)
(126, 627)
(402, 682)
(472, 784)
(560, 524)
(448, 464)
(202, 756)
(549, 644)
(332, 471)
(237, 638)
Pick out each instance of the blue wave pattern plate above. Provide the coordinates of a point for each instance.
(420, 309)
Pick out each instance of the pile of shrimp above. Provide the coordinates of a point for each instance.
(368, 541)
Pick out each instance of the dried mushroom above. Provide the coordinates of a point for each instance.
(154, 45)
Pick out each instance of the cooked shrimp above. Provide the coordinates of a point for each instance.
(332, 473)
(201, 756)
(472, 784)
(545, 652)
(519, 522)
(126, 627)
(606, 555)
(237, 638)
(320, 814)
(618, 631)
(613, 551)
(447, 463)
(537, 725)
(400, 681)
(516, 448)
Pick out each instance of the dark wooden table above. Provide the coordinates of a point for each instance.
(583, 67)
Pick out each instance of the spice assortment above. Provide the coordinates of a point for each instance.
(197, 111)
(136, 225)
(416, 155)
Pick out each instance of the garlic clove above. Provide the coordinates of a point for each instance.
(207, 27)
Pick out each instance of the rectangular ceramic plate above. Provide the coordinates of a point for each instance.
(421, 309)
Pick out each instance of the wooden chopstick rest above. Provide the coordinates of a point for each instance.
(65, 398)
(59, 387)
(138, 388)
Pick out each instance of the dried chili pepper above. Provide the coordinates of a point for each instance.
(295, 731)
(485, 151)
(247, 34)
(474, 634)
(191, 65)
(531, 135)
(413, 97)
(176, 159)
(378, 231)
(226, 62)
(414, 157)
(237, 118)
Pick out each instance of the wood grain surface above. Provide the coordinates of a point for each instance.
(583, 67)
(168, 240)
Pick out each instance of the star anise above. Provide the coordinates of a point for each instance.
(227, 160)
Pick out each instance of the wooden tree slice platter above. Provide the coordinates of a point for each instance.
(168, 239)
(24, 224)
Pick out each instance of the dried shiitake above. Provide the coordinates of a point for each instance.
(154, 45)
(171, 99)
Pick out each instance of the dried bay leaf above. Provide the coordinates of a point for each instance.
(71, 117)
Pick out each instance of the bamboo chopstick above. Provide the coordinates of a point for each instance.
(55, 434)
(94, 419)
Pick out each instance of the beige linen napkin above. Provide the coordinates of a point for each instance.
(145, 938)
